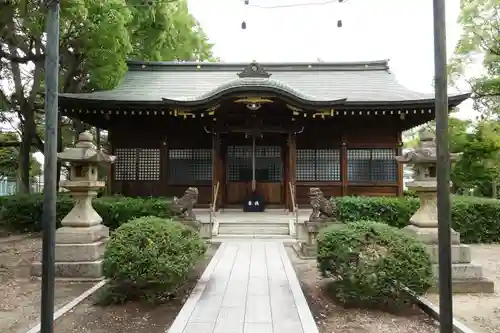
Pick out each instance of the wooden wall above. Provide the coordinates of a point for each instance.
(159, 135)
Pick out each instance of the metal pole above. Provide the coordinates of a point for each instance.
(443, 169)
(50, 166)
(253, 162)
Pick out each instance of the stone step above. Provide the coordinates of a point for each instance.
(221, 238)
(254, 228)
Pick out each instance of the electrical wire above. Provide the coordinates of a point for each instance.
(247, 4)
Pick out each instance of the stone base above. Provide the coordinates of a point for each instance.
(430, 235)
(196, 225)
(460, 253)
(78, 254)
(78, 271)
(71, 235)
(466, 276)
(206, 230)
(468, 287)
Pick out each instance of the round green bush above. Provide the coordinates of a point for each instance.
(150, 256)
(370, 262)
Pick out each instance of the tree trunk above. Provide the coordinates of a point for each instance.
(59, 149)
(27, 139)
(494, 189)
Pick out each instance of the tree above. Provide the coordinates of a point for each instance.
(9, 157)
(96, 38)
(480, 40)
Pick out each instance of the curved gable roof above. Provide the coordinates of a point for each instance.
(366, 83)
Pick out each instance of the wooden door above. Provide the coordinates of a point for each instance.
(269, 173)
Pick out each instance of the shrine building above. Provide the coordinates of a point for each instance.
(275, 129)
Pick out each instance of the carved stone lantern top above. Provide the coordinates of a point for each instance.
(425, 153)
(85, 152)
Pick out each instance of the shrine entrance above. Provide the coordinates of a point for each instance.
(254, 167)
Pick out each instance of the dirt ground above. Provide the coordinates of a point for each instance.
(19, 294)
(137, 317)
(480, 312)
(334, 318)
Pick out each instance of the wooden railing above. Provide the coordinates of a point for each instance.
(213, 205)
(295, 207)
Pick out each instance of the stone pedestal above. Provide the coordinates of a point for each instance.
(81, 241)
(466, 276)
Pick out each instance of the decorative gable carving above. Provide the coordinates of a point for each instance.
(254, 70)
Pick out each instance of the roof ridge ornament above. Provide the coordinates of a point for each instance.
(254, 70)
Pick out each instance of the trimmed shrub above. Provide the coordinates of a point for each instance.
(391, 210)
(369, 262)
(474, 218)
(150, 257)
(23, 213)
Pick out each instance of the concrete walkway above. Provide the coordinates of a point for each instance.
(248, 287)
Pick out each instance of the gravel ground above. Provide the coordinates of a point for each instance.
(19, 294)
(136, 317)
(480, 312)
(334, 318)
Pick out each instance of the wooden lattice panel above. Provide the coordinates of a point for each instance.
(364, 165)
(149, 164)
(384, 166)
(190, 166)
(318, 165)
(268, 163)
(125, 164)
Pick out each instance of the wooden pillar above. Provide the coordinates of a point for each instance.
(111, 169)
(216, 168)
(291, 167)
(343, 166)
(164, 166)
(399, 152)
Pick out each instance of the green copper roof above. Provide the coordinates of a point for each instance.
(315, 83)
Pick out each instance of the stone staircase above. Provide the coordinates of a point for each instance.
(273, 224)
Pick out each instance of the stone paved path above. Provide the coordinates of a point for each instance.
(248, 287)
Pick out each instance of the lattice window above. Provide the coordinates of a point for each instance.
(365, 165)
(268, 163)
(125, 166)
(318, 165)
(190, 166)
(149, 164)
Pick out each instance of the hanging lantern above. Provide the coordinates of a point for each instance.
(247, 2)
(339, 24)
(243, 25)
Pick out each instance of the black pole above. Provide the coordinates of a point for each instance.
(443, 169)
(50, 165)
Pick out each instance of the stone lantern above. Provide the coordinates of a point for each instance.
(81, 240)
(467, 277)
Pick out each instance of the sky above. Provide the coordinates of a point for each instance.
(398, 30)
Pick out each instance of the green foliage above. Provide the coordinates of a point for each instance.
(23, 213)
(149, 257)
(369, 263)
(394, 211)
(9, 157)
(480, 24)
(474, 218)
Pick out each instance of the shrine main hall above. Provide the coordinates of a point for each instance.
(255, 128)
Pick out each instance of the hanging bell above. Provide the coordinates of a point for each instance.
(243, 25)
(339, 24)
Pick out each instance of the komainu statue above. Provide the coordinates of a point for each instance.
(323, 210)
(182, 208)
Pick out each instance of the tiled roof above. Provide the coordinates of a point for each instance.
(370, 82)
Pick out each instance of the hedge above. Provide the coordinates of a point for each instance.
(476, 219)
(23, 213)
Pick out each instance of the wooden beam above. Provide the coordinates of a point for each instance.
(343, 166)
